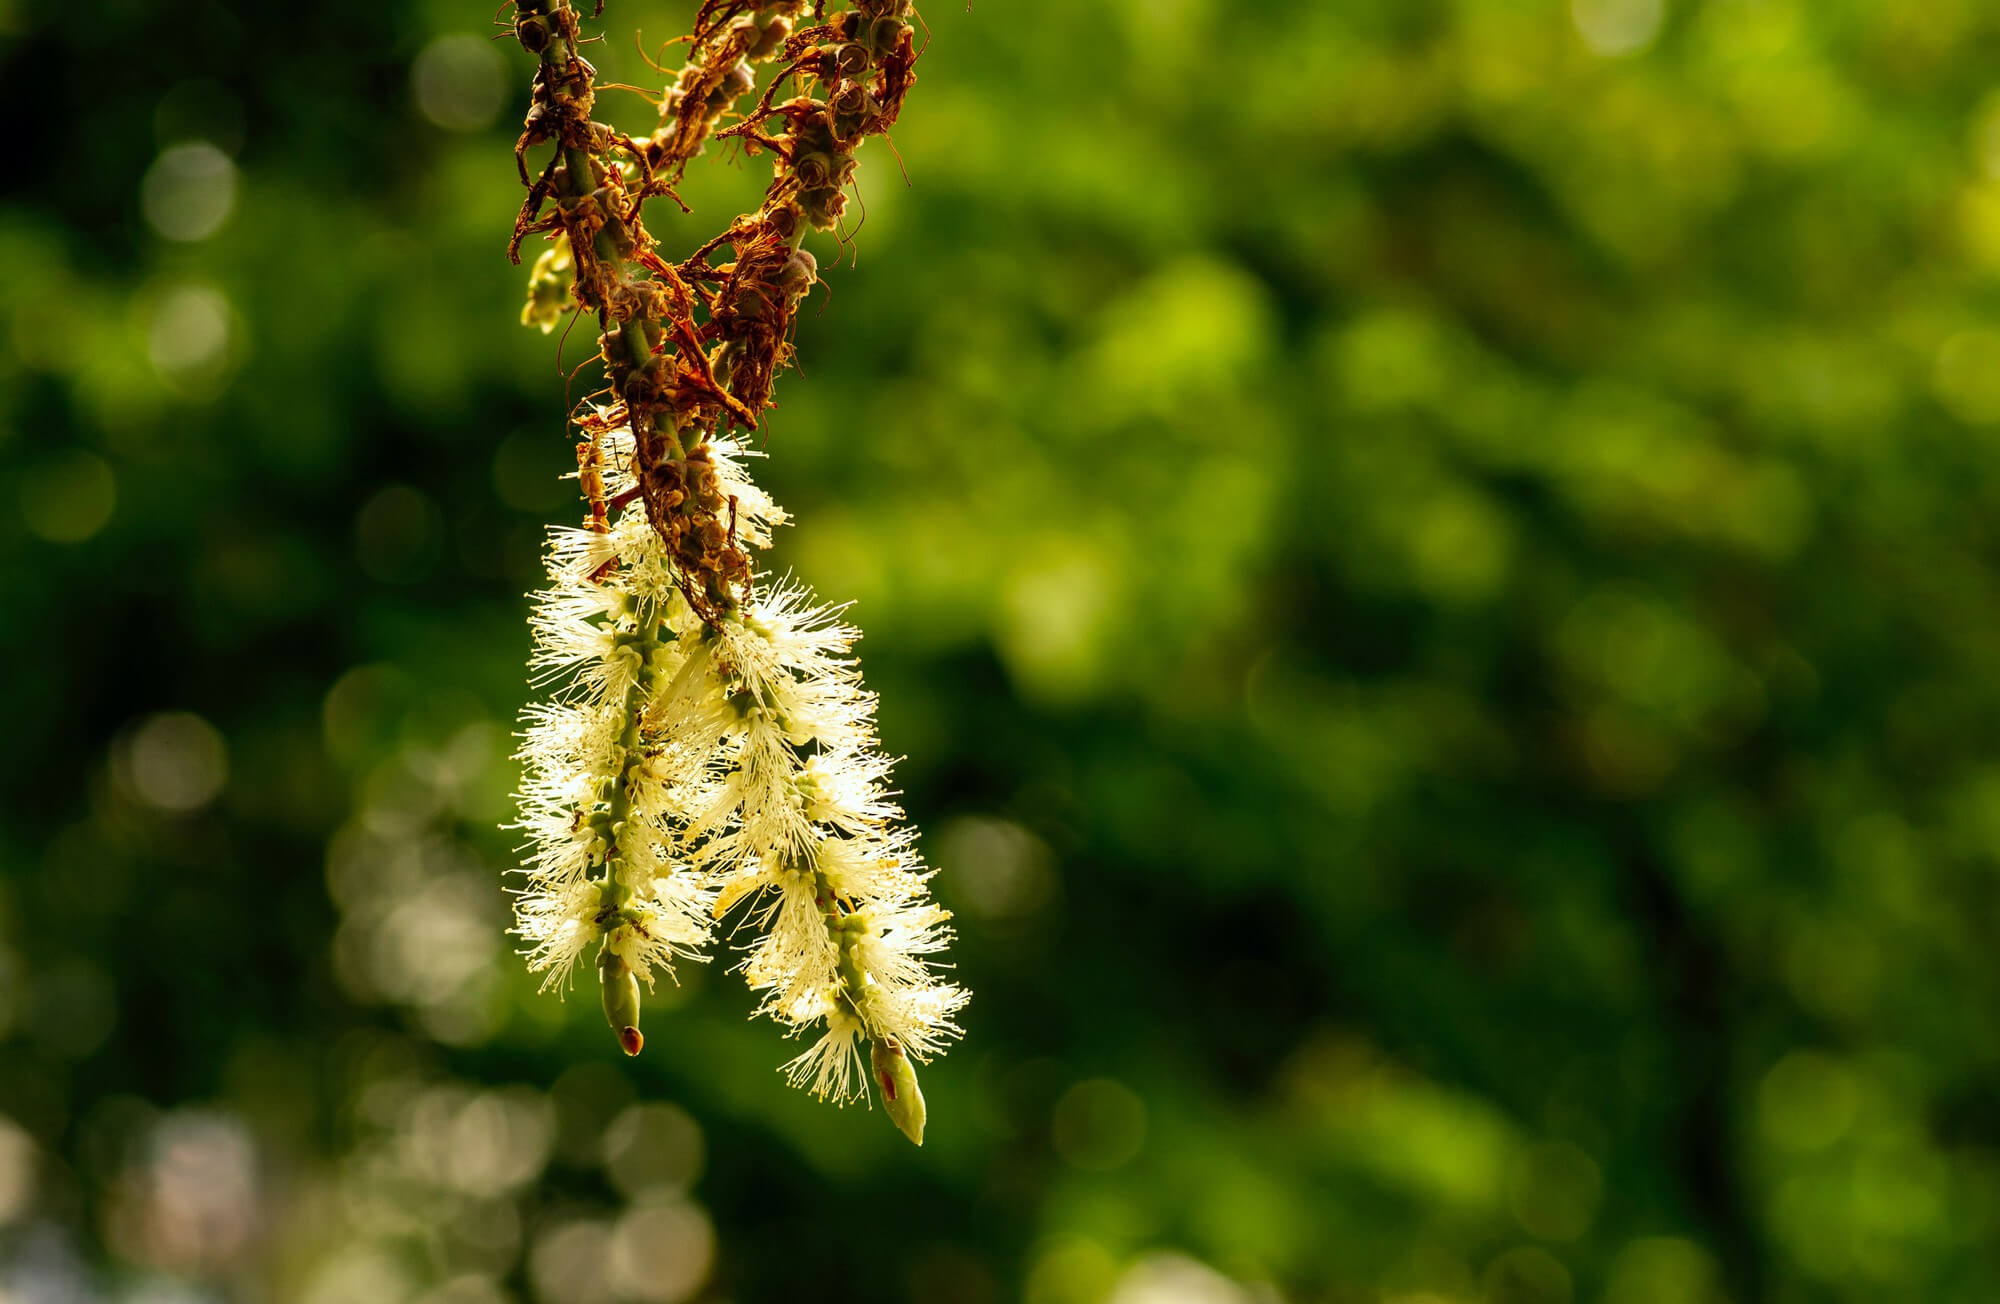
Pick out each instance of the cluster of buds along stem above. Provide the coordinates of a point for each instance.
(707, 743)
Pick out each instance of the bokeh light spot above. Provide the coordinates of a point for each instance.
(1967, 377)
(471, 1288)
(189, 191)
(362, 710)
(1985, 135)
(357, 1274)
(1663, 1270)
(494, 1142)
(661, 1253)
(997, 869)
(1071, 1271)
(1176, 1279)
(192, 1202)
(69, 497)
(1526, 1274)
(177, 762)
(571, 1264)
(1807, 1101)
(648, 1148)
(460, 82)
(1554, 1191)
(1616, 27)
(1054, 621)
(17, 1170)
(187, 335)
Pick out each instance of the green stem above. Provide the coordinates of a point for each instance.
(853, 978)
(645, 640)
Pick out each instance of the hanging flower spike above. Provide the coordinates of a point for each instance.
(602, 868)
(706, 742)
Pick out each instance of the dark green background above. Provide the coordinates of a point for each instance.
(1434, 565)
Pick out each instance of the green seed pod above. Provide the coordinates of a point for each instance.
(901, 1096)
(784, 220)
(851, 100)
(823, 207)
(812, 135)
(885, 34)
(800, 273)
(814, 170)
(620, 987)
(533, 31)
(852, 60)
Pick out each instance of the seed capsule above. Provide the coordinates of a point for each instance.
(533, 32)
(800, 272)
(814, 170)
(885, 34)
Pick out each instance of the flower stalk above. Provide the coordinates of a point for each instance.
(708, 744)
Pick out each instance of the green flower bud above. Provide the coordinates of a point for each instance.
(620, 988)
(800, 274)
(852, 60)
(548, 287)
(901, 1096)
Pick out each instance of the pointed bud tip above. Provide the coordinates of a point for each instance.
(621, 999)
(902, 1098)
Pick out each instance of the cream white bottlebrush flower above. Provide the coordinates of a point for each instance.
(603, 871)
(684, 767)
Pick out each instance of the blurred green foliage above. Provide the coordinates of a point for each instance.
(1434, 564)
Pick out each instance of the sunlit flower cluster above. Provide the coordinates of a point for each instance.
(680, 768)
(708, 743)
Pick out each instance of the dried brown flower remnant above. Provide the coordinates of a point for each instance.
(693, 349)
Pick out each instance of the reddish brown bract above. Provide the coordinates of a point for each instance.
(693, 349)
